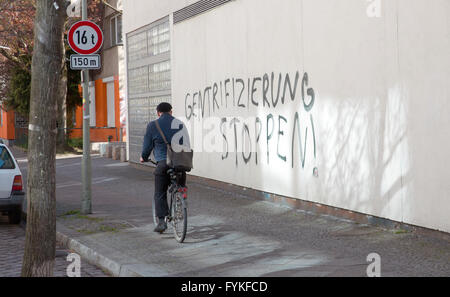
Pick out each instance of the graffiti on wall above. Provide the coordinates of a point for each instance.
(243, 137)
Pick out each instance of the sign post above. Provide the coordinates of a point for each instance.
(85, 38)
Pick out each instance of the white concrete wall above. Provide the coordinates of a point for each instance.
(139, 13)
(381, 108)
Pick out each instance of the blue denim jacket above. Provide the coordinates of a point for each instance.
(154, 141)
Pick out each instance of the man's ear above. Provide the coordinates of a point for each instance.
(170, 112)
(159, 114)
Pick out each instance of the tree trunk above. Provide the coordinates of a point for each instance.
(61, 115)
(46, 74)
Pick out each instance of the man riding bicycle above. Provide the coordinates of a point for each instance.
(153, 141)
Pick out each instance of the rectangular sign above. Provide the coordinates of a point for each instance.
(80, 62)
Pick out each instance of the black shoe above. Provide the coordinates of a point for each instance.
(162, 226)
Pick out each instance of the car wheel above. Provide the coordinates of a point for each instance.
(14, 216)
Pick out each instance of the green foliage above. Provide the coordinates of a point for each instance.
(73, 98)
(20, 87)
(71, 212)
(23, 145)
(75, 142)
(18, 97)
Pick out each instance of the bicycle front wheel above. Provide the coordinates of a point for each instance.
(179, 216)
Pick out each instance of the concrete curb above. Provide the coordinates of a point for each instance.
(94, 258)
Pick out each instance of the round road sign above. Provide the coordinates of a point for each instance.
(85, 37)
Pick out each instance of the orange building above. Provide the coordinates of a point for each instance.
(7, 131)
(106, 88)
(104, 112)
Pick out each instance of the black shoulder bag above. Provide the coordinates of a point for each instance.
(178, 160)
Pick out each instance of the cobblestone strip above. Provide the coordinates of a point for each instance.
(12, 244)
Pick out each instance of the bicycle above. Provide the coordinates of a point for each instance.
(177, 206)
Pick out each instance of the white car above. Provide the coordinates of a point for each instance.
(11, 187)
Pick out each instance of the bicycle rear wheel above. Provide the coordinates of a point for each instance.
(179, 216)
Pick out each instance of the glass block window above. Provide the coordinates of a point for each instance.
(141, 112)
(138, 80)
(159, 76)
(137, 47)
(153, 103)
(149, 79)
(159, 39)
(148, 43)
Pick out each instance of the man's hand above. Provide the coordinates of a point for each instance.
(142, 160)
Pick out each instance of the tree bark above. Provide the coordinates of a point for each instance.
(45, 88)
(61, 115)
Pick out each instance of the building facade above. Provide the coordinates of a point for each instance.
(340, 103)
(7, 131)
(106, 88)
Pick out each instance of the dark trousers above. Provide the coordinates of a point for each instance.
(162, 182)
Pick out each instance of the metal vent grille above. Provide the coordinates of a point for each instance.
(196, 9)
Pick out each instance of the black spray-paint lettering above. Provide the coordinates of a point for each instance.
(269, 135)
(227, 81)
(193, 100)
(257, 135)
(215, 89)
(248, 94)
(269, 85)
(274, 103)
(245, 130)
(186, 107)
(234, 97)
(201, 103)
(225, 144)
(207, 92)
(287, 84)
(240, 81)
(266, 86)
(233, 123)
(302, 150)
(280, 133)
(254, 89)
(314, 133)
(255, 94)
(214, 103)
(310, 93)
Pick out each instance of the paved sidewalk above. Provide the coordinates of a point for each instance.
(229, 234)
